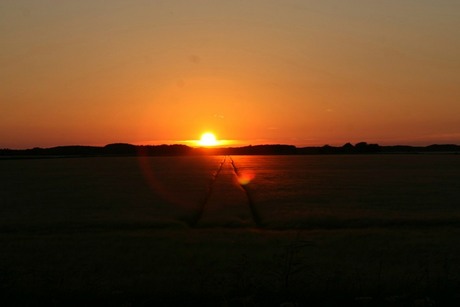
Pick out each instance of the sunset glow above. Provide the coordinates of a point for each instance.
(306, 73)
(208, 139)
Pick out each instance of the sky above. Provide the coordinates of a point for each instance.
(299, 72)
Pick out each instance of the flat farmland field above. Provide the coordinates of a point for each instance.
(371, 230)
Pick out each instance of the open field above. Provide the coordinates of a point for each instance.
(327, 230)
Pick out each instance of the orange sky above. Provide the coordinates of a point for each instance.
(261, 71)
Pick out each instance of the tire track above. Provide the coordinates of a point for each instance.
(203, 206)
(252, 207)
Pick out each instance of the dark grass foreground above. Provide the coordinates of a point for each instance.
(177, 231)
(232, 267)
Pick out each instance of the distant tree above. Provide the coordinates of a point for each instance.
(363, 147)
(120, 149)
(327, 149)
(348, 148)
(442, 148)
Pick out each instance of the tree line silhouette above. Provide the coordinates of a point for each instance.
(123, 149)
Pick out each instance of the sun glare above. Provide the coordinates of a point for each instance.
(208, 139)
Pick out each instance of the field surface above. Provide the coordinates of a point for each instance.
(373, 230)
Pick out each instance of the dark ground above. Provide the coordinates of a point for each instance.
(231, 267)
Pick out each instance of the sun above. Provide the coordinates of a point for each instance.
(208, 139)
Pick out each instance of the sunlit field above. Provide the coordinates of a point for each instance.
(231, 230)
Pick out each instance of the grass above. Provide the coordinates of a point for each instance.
(231, 266)
(100, 231)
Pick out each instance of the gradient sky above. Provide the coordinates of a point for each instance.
(255, 71)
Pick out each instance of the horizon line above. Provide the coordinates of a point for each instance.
(241, 146)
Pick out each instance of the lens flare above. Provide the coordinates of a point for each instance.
(245, 177)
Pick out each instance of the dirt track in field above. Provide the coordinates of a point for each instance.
(227, 203)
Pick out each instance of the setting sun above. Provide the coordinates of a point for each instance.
(208, 139)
